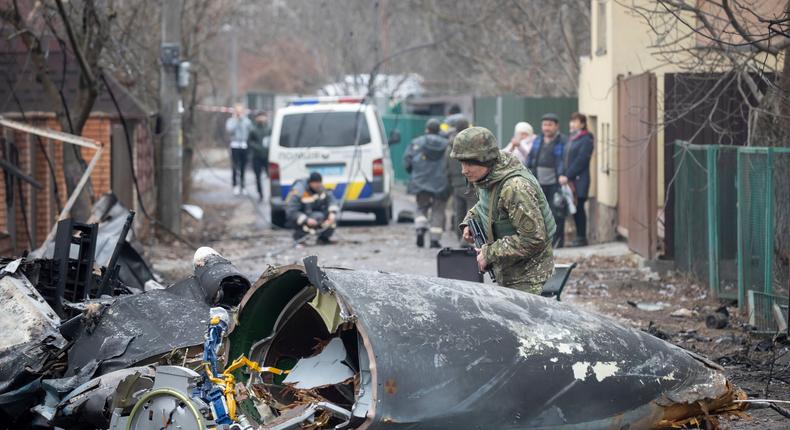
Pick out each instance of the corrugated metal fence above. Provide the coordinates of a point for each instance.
(500, 114)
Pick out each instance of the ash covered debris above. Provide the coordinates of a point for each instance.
(321, 348)
(64, 371)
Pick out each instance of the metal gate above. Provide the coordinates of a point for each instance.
(637, 208)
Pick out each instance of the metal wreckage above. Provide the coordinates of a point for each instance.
(308, 347)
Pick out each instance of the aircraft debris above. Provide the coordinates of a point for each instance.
(321, 348)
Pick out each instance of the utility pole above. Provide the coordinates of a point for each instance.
(170, 181)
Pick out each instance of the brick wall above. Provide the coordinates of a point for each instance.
(41, 206)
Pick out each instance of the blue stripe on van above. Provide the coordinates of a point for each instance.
(366, 192)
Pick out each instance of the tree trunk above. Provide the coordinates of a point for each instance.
(73, 164)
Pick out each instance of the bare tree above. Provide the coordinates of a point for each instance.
(458, 46)
(741, 44)
(81, 29)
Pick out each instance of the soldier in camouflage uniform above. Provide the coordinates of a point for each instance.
(512, 210)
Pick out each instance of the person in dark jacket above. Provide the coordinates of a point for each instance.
(258, 144)
(464, 195)
(311, 209)
(578, 152)
(426, 162)
(545, 161)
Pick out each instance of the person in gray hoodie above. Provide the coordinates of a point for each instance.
(238, 129)
(426, 162)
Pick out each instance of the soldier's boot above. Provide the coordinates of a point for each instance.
(421, 237)
(436, 234)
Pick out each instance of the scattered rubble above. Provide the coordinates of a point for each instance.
(75, 362)
(682, 313)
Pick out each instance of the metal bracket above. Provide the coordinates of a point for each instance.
(170, 54)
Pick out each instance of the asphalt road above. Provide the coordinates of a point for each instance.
(239, 227)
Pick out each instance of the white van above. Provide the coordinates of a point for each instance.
(342, 139)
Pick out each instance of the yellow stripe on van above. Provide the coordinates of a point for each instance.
(354, 190)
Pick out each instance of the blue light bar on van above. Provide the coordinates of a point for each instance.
(318, 100)
(301, 102)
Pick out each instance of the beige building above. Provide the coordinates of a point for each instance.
(621, 89)
(620, 44)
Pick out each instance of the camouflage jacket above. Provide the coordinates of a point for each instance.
(525, 256)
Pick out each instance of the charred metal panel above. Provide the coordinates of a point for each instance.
(137, 328)
(453, 354)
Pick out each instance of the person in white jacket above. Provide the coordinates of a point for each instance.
(521, 143)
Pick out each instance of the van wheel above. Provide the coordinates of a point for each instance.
(383, 216)
(278, 217)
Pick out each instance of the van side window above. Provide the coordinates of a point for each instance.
(332, 129)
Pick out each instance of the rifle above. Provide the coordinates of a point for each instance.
(480, 240)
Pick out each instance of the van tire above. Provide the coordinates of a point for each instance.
(384, 215)
(278, 217)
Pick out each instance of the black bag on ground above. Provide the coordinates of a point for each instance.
(458, 263)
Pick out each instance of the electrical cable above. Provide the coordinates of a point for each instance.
(127, 134)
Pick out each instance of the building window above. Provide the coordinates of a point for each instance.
(600, 36)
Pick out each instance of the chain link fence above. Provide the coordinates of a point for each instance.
(731, 216)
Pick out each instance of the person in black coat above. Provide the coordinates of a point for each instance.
(578, 152)
(547, 162)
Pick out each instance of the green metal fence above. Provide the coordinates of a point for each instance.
(725, 212)
(759, 171)
(409, 126)
(512, 109)
(691, 186)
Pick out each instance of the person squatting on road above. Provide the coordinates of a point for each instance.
(511, 209)
(238, 128)
(577, 171)
(311, 209)
(545, 161)
(426, 162)
(258, 143)
(463, 193)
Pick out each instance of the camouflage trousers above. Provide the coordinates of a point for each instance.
(527, 287)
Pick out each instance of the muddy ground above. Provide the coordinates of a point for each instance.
(608, 280)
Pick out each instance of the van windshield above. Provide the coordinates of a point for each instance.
(306, 130)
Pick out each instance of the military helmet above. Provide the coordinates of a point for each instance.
(475, 143)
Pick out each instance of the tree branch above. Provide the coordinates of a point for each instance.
(87, 73)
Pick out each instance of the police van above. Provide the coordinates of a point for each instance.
(343, 139)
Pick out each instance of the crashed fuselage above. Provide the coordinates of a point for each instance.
(437, 354)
